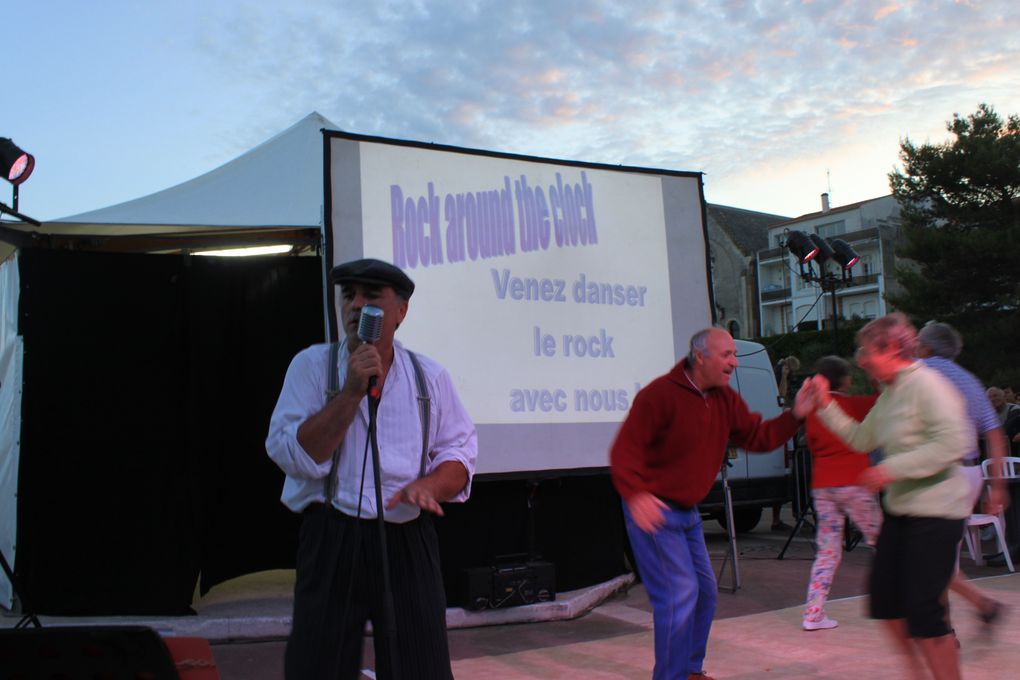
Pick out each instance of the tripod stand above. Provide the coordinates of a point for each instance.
(29, 617)
(806, 502)
(802, 494)
(731, 530)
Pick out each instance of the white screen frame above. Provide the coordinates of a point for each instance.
(496, 343)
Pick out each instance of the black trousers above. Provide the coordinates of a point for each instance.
(339, 588)
(915, 558)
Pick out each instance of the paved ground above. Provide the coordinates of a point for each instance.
(756, 635)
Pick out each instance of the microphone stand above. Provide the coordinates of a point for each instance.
(389, 617)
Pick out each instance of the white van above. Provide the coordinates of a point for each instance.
(757, 480)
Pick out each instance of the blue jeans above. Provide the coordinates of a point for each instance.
(674, 566)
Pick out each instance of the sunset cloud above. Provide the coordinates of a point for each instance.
(739, 90)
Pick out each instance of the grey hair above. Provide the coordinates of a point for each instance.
(942, 339)
(699, 343)
(890, 331)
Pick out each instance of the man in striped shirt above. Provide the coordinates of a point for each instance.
(938, 344)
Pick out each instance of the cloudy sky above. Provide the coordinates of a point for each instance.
(775, 101)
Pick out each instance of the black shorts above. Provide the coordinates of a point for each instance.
(915, 558)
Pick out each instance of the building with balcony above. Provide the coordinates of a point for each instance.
(735, 236)
(786, 302)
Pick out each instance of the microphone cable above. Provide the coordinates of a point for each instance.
(787, 333)
(356, 537)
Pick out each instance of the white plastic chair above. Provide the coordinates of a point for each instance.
(972, 536)
(1011, 464)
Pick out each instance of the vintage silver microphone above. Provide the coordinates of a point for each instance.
(370, 330)
(370, 324)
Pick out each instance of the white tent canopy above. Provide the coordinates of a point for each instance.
(276, 184)
(274, 190)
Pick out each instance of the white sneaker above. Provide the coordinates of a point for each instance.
(824, 624)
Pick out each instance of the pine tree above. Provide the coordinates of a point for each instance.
(960, 203)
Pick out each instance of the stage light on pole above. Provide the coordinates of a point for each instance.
(825, 252)
(15, 165)
(801, 246)
(844, 254)
(807, 247)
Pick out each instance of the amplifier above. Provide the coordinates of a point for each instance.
(510, 585)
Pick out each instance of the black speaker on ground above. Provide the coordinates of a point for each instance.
(509, 585)
(72, 652)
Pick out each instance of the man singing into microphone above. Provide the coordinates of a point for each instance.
(319, 438)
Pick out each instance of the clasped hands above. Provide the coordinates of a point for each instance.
(813, 395)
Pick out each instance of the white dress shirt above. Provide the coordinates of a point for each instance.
(452, 435)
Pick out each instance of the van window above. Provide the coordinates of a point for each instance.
(758, 388)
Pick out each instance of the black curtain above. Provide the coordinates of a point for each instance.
(148, 384)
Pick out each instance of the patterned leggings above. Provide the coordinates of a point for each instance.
(832, 506)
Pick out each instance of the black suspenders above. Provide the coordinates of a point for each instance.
(424, 414)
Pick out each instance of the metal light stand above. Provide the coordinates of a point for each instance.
(17, 238)
(731, 530)
(13, 212)
(802, 494)
(29, 617)
(851, 535)
(829, 283)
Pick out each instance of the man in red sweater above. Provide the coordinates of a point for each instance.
(664, 461)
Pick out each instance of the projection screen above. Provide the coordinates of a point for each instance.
(551, 290)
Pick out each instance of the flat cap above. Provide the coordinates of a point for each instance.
(375, 272)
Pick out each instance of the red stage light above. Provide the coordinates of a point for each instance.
(15, 164)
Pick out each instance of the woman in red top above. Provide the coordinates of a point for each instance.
(835, 470)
